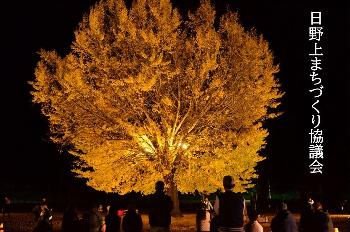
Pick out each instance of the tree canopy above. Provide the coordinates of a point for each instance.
(146, 95)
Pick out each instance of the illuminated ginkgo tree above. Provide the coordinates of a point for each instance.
(145, 95)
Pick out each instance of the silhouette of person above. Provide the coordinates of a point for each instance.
(207, 204)
(6, 207)
(95, 220)
(253, 225)
(284, 220)
(38, 209)
(70, 221)
(306, 217)
(160, 206)
(113, 221)
(230, 207)
(203, 218)
(348, 224)
(132, 221)
(44, 222)
(321, 220)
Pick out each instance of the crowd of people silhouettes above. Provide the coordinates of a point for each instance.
(228, 214)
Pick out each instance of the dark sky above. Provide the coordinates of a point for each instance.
(27, 156)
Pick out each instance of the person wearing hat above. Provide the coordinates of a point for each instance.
(230, 207)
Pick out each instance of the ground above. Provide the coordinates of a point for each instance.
(23, 222)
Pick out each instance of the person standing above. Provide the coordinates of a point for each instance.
(44, 223)
(207, 203)
(348, 224)
(284, 220)
(37, 210)
(253, 225)
(306, 217)
(132, 221)
(322, 222)
(113, 220)
(230, 207)
(7, 207)
(70, 221)
(203, 218)
(160, 206)
(96, 222)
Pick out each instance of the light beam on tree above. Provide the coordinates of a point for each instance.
(146, 96)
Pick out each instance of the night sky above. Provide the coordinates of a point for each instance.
(29, 160)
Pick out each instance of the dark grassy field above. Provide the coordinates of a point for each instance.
(23, 222)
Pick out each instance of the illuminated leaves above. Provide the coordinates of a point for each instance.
(143, 97)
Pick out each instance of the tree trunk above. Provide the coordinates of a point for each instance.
(174, 195)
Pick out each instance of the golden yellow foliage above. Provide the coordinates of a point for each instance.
(144, 96)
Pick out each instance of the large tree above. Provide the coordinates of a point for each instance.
(145, 95)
